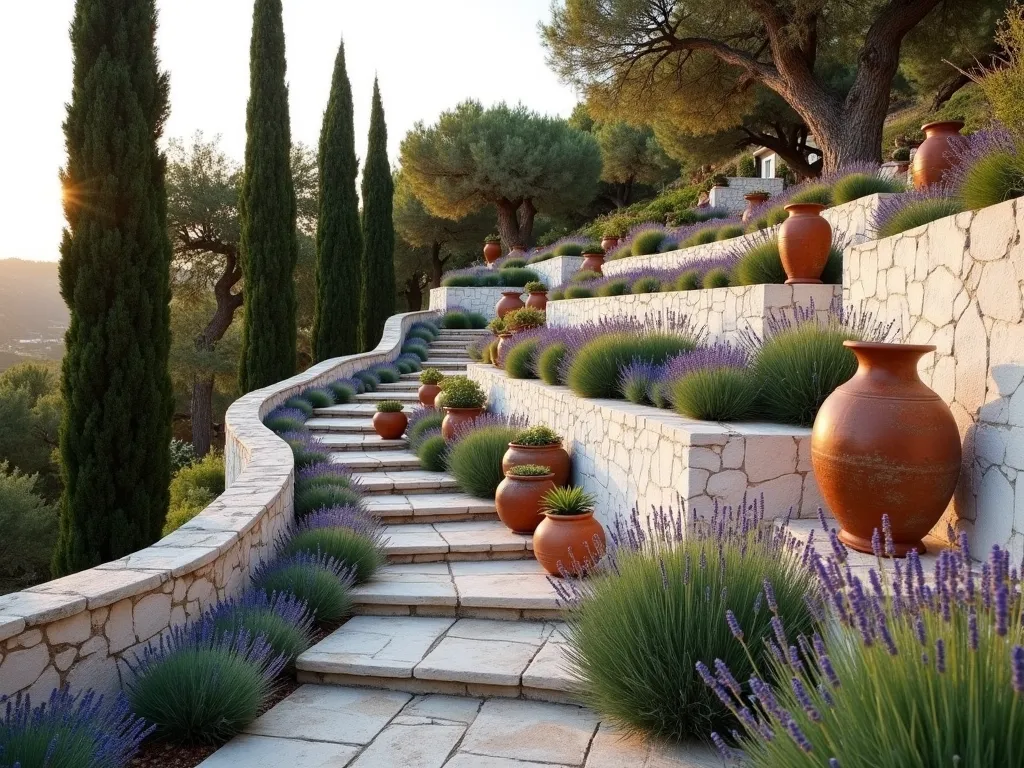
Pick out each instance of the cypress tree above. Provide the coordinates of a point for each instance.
(378, 291)
(115, 433)
(266, 207)
(339, 241)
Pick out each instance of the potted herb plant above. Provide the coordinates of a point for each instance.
(538, 295)
(593, 258)
(492, 249)
(524, 319)
(754, 199)
(612, 234)
(430, 379)
(464, 401)
(538, 445)
(568, 541)
(389, 421)
(519, 495)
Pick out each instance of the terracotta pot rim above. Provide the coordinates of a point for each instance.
(511, 292)
(537, 293)
(756, 196)
(462, 410)
(894, 346)
(815, 207)
(536, 447)
(591, 253)
(958, 123)
(510, 476)
(569, 518)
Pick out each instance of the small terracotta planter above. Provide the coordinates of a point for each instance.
(492, 252)
(593, 262)
(517, 501)
(538, 300)
(575, 542)
(754, 199)
(455, 417)
(427, 393)
(510, 300)
(608, 242)
(883, 443)
(554, 456)
(935, 155)
(502, 343)
(391, 425)
(804, 242)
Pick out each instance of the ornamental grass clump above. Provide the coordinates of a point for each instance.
(728, 232)
(914, 209)
(422, 421)
(637, 379)
(614, 287)
(319, 398)
(716, 278)
(69, 731)
(856, 185)
(386, 374)
(200, 685)
(567, 501)
(712, 383)
(282, 620)
(648, 241)
(306, 448)
(319, 581)
(324, 474)
(549, 362)
(343, 392)
(344, 534)
(519, 359)
(911, 673)
(369, 379)
(432, 451)
(475, 459)
(529, 470)
(659, 604)
(646, 285)
(596, 369)
(297, 403)
(761, 262)
(454, 320)
(579, 292)
(308, 499)
(285, 420)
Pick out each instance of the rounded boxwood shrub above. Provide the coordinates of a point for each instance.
(716, 278)
(524, 319)
(728, 232)
(343, 392)
(549, 363)
(432, 452)
(431, 376)
(462, 392)
(351, 548)
(319, 398)
(858, 185)
(299, 404)
(646, 285)
(475, 460)
(321, 583)
(454, 320)
(314, 497)
(596, 368)
(646, 243)
(716, 394)
(619, 287)
(918, 213)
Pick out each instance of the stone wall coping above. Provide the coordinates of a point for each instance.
(258, 469)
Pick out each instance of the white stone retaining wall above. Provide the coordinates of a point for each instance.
(78, 630)
(724, 312)
(958, 283)
(853, 219)
(629, 454)
(731, 197)
(482, 300)
(557, 271)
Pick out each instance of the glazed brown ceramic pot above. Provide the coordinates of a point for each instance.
(538, 300)
(510, 300)
(492, 252)
(427, 393)
(753, 200)
(935, 155)
(573, 541)
(517, 501)
(608, 242)
(884, 443)
(454, 417)
(554, 456)
(390, 426)
(593, 262)
(804, 242)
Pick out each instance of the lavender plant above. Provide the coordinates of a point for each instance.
(637, 379)
(321, 582)
(319, 398)
(283, 620)
(712, 383)
(306, 448)
(421, 422)
(325, 473)
(284, 419)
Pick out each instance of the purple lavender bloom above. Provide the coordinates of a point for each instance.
(802, 696)
(940, 655)
(347, 516)
(418, 415)
(1017, 659)
(723, 749)
(636, 380)
(734, 625)
(488, 419)
(283, 412)
(326, 469)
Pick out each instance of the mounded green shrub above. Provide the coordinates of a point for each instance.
(578, 292)
(193, 488)
(421, 352)
(350, 548)
(475, 460)
(386, 374)
(299, 403)
(420, 333)
(596, 368)
(329, 480)
(454, 320)
(688, 281)
(283, 424)
(584, 275)
(404, 366)
(312, 581)
(432, 452)
(569, 249)
(312, 498)
(517, 277)
(995, 177)
(343, 393)
(762, 265)
(260, 619)
(728, 232)
(716, 278)
(718, 394)
(646, 285)
(369, 379)
(614, 288)
(858, 185)
(918, 213)
(319, 398)
(476, 320)
(513, 262)
(815, 193)
(648, 242)
(550, 361)
(418, 431)
(703, 237)
(519, 360)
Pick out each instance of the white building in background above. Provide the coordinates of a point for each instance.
(767, 161)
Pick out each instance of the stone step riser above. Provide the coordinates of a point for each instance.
(457, 612)
(370, 444)
(458, 517)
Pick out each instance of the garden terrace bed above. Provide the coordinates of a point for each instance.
(558, 270)
(725, 312)
(482, 300)
(629, 454)
(78, 630)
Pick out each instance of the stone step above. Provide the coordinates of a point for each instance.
(376, 397)
(448, 333)
(362, 443)
(450, 343)
(492, 589)
(446, 506)
(376, 461)
(363, 410)
(471, 540)
(418, 654)
(447, 365)
(458, 353)
(407, 482)
(399, 386)
(337, 425)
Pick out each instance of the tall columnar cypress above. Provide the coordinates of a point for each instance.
(339, 241)
(269, 247)
(115, 433)
(378, 292)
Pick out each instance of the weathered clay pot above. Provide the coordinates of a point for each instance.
(502, 343)
(884, 443)
(427, 393)
(804, 242)
(492, 252)
(935, 155)
(538, 300)
(390, 426)
(517, 501)
(608, 242)
(593, 262)
(517, 252)
(510, 300)
(574, 541)
(554, 456)
(455, 417)
(754, 199)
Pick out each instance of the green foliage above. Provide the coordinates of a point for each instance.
(996, 177)
(352, 549)
(646, 285)
(405, 366)
(193, 488)
(556, 295)
(1003, 82)
(343, 393)
(318, 398)
(390, 406)
(478, 321)
(760, 264)
(29, 526)
(475, 460)
(858, 185)
(648, 242)
(339, 238)
(919, 213)
(716, 394)
(267, 211)
(300, 403)
(567, 500)
(30, 414)
(579, 292)
(419, 333)
(583, 275)
(614, 288)
(369, 379)
(183, 454)
(716, 278)
(549, 362)
(524, 319)
(815, 193)
(433, 453)
(285, 638)
(304, 455)
(728, 232)
(513, 263)
(569, 249)
(462, 392)
(535, 286)
(455, 321)
(414, 349)
(595, 369)
(519, 360)
(431, 376)
(496, 326)
(630, 154)
(529, 470)
(327, 480)
(832, 274)
(420, 427)
(386, 374)
(325, 595)
(516, 277)
(115, 432)
(538, 435)
(746, 167)
(377, 299)
(315, 497)
(688, 281)
(703, 237)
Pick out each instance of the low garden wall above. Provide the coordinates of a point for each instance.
(482, 300)
(958, 283)
(557, 271)
(629, 454)
(78, 630)
(732, 197)
(724, 312)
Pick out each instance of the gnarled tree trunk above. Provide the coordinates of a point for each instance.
(515, 221)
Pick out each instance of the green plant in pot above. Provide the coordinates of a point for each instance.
(538, 295)
(593, 258)
(390, 421)
(518, 497)
(538, 445)
(568, 541)
(492, 249)
(464, 401)
(430, 386)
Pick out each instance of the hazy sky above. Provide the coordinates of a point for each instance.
(429, 55)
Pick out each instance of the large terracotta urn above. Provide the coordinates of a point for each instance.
(500, 350)
(427, 394)
(883, 443)
(608, 242)
(573, 543)
(456, 417)
(517, 501)
(593, 262)
(389, 424)
(492, 251)
(510, 300)
(754, 199)
(935, 155)
(554, 456)
(538, 300)
(804, 242)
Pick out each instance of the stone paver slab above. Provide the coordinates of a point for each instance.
(267, 752)
(483, 536)
(380, 646)
(468, 760)
(530, 632)
(611, 749)
(531, 730)
(414, 539)
(549, 669)
(456, 709)
(489, 662)
(411, 746)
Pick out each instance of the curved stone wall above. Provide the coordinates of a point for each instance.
(78, 630)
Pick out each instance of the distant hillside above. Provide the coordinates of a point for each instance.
(33, 316)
